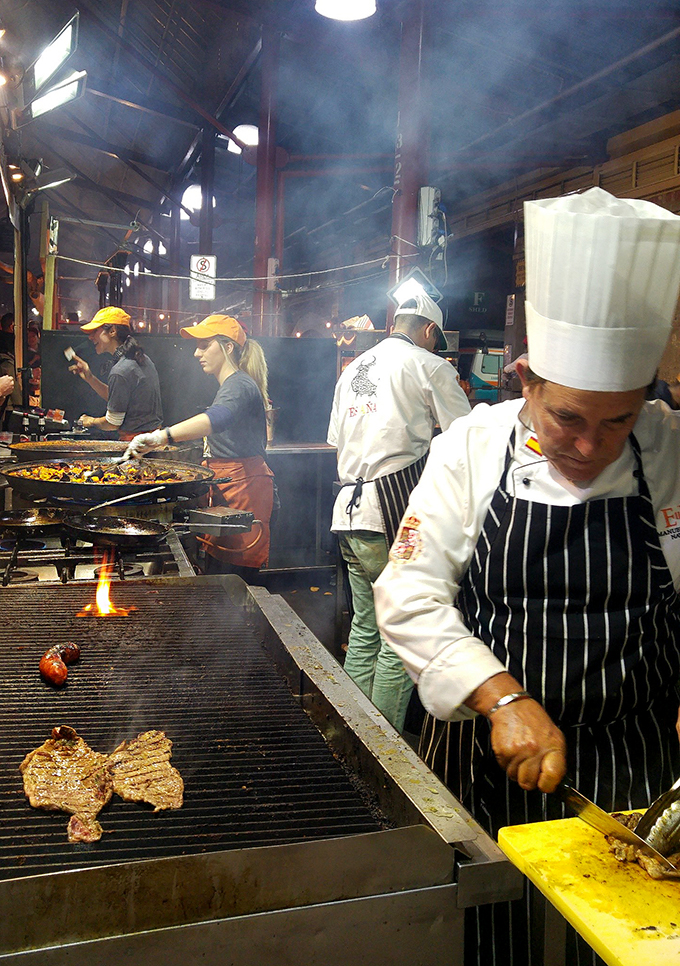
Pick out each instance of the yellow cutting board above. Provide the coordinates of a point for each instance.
(628, 918)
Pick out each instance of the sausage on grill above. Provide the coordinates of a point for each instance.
(53, 662)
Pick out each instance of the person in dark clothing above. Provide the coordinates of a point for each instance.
(235, 427)
(668, 392)
(132, 392)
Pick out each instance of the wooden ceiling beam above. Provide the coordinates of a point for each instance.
(159, 109)
(99, 144)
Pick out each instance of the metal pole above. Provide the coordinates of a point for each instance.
(174, 284)
(410, 156)
(205, 231)
(23, 322)
(266, 182)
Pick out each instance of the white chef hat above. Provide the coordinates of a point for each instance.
(603, 275)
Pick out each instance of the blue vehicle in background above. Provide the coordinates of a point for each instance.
(481, 376)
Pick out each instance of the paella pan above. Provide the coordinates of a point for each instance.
(107, 478)
(71, 449)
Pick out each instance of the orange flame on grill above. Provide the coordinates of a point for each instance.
(104, 606)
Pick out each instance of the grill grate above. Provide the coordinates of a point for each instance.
(187, 662)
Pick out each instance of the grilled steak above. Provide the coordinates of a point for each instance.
(142, 772)
(625, 852)
(65, 774)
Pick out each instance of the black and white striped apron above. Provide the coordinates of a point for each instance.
(393, 491)
(578, 603)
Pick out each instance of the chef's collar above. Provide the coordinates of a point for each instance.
(402, 336)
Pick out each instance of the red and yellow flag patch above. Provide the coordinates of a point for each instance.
(533, 444)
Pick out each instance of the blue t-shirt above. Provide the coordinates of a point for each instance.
(238, 420)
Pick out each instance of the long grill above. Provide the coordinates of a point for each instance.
(189, 663)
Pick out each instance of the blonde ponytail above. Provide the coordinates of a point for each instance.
(254, 364)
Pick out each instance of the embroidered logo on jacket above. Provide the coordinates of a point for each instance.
(533, 444)
(407, 546)
(671, 519)
(361, 384)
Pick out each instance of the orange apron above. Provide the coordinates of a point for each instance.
(251, 488)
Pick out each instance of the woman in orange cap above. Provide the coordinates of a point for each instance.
(132, 393)
(235, 425)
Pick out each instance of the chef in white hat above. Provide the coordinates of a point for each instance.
(532, 591)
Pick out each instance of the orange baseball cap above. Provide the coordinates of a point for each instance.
(111, 315)
(215, 325)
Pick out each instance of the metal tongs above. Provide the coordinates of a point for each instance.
(660, 825)
(114, 464)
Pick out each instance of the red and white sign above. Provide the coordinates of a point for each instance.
(202, 272)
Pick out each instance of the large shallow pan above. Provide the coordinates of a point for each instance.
(29, 522)
(73, 449)
(114, 531)
(196, 478)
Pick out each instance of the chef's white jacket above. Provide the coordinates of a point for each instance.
(386, 405)
(416, 593)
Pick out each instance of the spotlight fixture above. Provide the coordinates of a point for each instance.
(68, 90)
(414, 283)
(52, 59)
(345, 9)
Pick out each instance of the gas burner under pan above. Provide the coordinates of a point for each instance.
(23, 577)
(129, 569)
(9, 545)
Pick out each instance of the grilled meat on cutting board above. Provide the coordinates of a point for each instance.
(141, 772)
(625, 852)
(65, 774)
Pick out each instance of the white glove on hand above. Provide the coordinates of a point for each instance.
(145, 442)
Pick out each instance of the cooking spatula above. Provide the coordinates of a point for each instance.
(603, 822)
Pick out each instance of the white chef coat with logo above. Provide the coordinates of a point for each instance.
(415, 595)
(386, 405)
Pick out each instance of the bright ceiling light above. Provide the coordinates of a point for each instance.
(345, 9)
(68, 90)
(56, 54)
(248, 133)
(193, 200)
(408, 290)
(53, 178)
(148, 247)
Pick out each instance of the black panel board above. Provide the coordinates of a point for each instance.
(301, 378)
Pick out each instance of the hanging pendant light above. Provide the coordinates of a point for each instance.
(345, 9)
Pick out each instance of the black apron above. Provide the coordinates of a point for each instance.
(589, 587)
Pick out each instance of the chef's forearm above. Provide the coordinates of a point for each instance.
(101, 422)
(99, 387)
(194, 428)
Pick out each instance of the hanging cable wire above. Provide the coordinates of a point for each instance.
(262, 278)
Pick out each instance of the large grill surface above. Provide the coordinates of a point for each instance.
(187, 662)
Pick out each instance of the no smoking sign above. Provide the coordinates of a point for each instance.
(202, 272)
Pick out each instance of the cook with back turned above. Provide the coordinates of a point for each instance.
(532, 591)
(386, 406)
(235, 427)
(132, 391)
